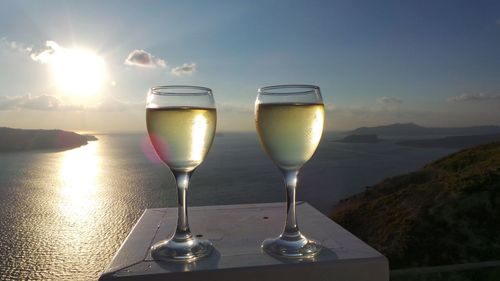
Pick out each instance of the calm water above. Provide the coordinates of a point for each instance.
(64, 214)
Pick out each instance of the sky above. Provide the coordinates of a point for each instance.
(435, 63)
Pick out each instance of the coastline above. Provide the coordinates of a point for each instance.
(15, 140)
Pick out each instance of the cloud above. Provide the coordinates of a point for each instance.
(498, 22)
(42, 102)
(46, 55)
(7, 103)
(389, 100)
(142, 58)
(185, 69)
(111, 104)
(37, 102)
(235, 107)
(473, 97)
(45, 102)
(15, 46)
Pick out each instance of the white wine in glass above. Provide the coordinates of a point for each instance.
(181, 123)
(289, 121)
(290, 132)
(181, 136)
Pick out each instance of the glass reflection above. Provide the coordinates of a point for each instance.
(317, 126)
(198, 145)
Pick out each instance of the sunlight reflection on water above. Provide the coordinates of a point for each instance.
(80, 173)
(63, 214)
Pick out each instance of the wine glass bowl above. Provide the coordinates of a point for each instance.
(289, 121)
(181, 122)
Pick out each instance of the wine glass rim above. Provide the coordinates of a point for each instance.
(295, 89)
(180, 90)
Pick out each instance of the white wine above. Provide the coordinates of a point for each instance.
(290, 132)
(181, 136)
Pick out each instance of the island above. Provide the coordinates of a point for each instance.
(22, 140)
(368, 138)
(452, 141)
(446, 213)
(412, 130)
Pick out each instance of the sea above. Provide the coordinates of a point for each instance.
(64, 214)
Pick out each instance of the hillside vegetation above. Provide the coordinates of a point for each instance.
(446, 213)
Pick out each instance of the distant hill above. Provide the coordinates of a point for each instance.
(360, 139)
(446, 213)
(19, 139)
(412, 129)
(90, 137)
(452, 142)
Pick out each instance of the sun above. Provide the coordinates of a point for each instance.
(78, 72)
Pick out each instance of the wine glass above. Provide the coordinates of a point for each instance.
(289, 121)
(181, 123)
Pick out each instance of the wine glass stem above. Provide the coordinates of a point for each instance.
(291, 231)
(182, 232)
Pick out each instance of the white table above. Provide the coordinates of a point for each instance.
(236, 232)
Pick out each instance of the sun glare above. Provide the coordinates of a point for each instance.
(78, 72)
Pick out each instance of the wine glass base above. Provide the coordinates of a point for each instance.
(301, 248)
(183, 251)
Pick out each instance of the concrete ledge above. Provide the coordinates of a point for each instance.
(237, 232)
